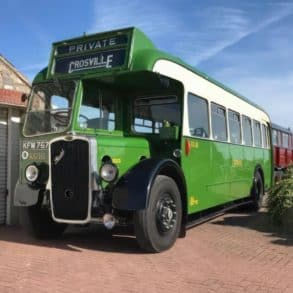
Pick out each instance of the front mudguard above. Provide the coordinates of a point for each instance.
(24, 195)
(132, 191)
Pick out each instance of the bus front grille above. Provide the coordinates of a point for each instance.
(70, 179)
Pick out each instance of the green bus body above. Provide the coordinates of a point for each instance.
(209, 172)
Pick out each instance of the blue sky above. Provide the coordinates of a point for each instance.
(247, 45)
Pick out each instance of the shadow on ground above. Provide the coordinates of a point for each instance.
(120, 240)
(259, 221)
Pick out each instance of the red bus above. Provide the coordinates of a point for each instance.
(283, 147)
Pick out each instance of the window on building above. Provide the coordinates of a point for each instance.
(198, 116)
(1, 81)
(247, 131)
(219, 122)
(257, 133)
(234, 127)
(7, 80)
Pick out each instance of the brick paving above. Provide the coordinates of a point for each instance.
(237, 252)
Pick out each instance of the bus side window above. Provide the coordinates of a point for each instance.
(279, 138)
(198, 116)
(219, 122)
(234, 126)
(151, 112)
(275, 137)
(264, 136)
(257, 133)
(247, 131)
(285, 140)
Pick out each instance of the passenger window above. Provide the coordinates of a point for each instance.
(264, 136)
(234, 126)
(279, 139)
(152, 113)
(275, 137)
(146, 126)
(247, 131)
(256, 133)
(219, 122)
(285, 140)
(198, 116)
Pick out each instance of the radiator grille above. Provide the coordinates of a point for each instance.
(70, 179)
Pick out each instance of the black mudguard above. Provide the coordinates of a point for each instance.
(133, 189)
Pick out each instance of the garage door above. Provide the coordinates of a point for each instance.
(3, 163)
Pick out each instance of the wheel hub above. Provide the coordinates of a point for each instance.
(166, 213)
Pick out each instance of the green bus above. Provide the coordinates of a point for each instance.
(118, 132)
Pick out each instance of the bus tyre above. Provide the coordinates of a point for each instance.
(258, 191)
(157, 227)
(37, 222)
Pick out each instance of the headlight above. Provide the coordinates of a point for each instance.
(31, 173)
(109, 172)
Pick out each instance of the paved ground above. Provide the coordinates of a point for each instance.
(238, 252)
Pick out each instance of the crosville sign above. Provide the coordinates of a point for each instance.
(103, 59)
(90, 54)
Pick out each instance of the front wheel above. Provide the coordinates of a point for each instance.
(37, 221)
(157, 227)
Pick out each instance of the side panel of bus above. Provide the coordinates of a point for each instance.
(216, 171)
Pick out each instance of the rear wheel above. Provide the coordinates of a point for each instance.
(157, 227)
(37, 221)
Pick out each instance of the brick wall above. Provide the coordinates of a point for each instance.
(12, 84)
(11, 97)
